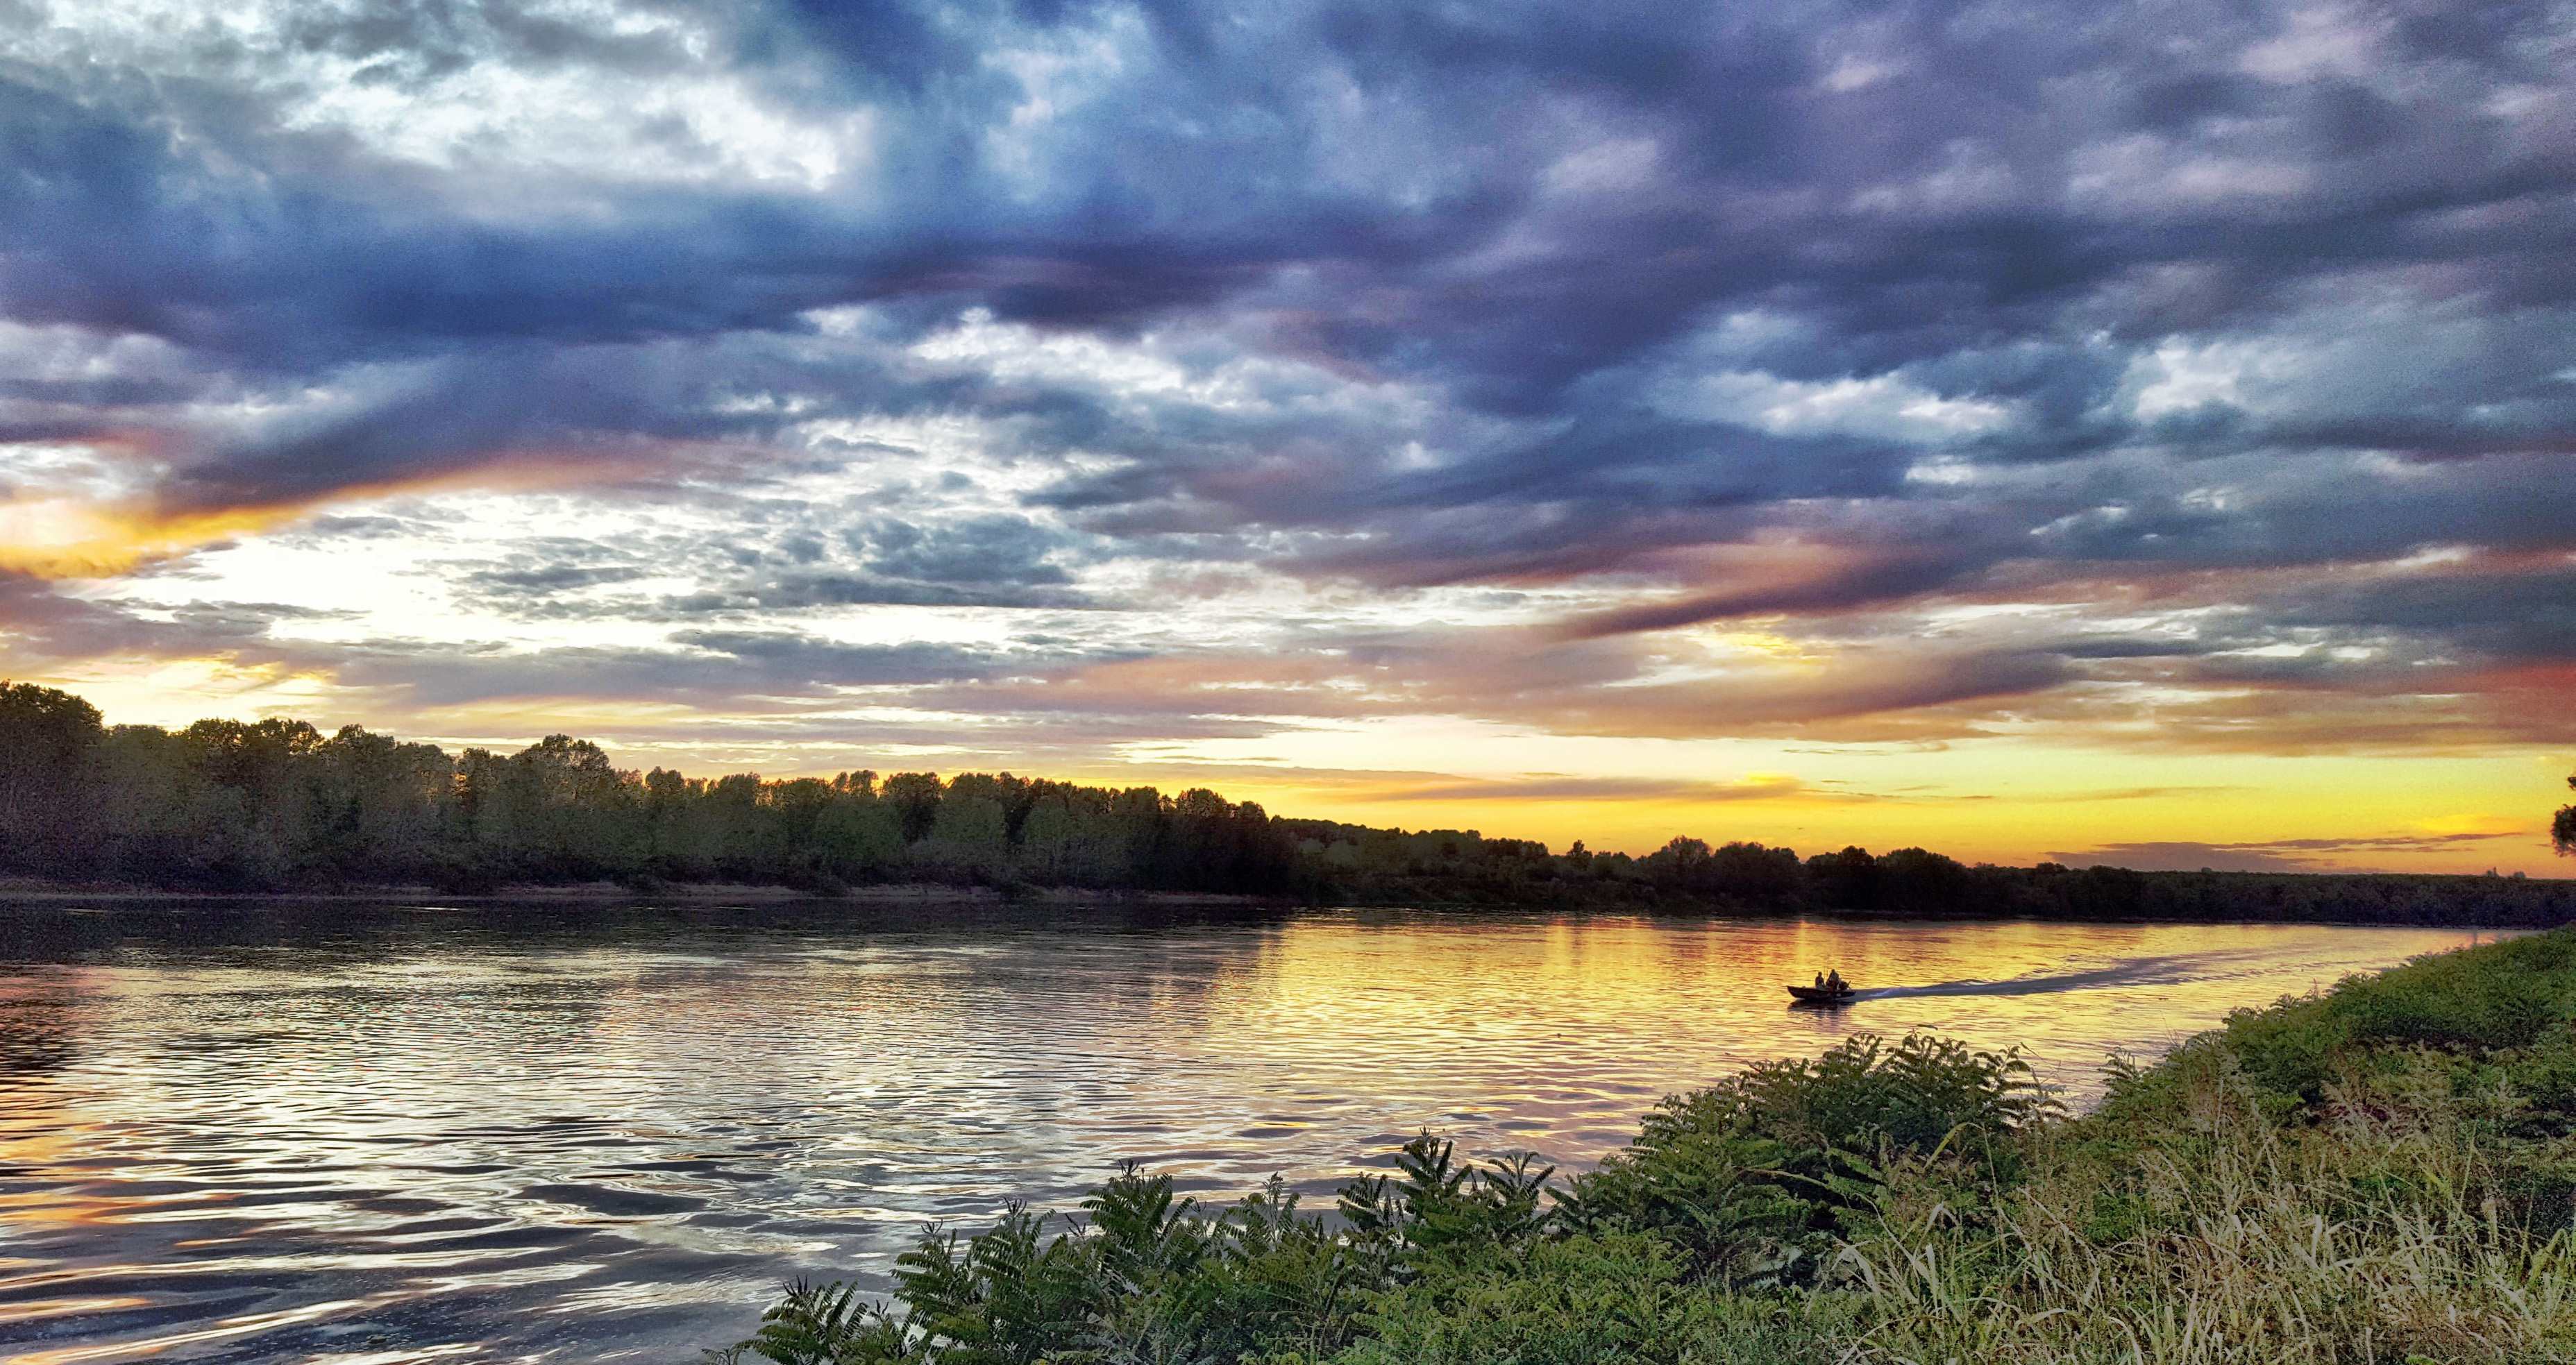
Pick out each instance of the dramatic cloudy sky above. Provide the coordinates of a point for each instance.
(2139, 432)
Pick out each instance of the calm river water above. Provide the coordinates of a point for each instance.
(385, 1134)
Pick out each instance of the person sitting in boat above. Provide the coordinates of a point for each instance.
(1820, 981)
(1834, 980)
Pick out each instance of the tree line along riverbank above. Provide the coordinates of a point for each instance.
(2386, 1172)
(277, 805)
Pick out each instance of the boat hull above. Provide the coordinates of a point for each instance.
(1813, 995)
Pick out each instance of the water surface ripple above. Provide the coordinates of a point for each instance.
(388, 1134)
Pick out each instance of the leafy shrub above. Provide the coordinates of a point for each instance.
(2501, 996)
(821, 1325)
(1736, 1204)
(1750, 1175)
(1005, 1297)
(1582, 1300)
(1433, 1203)
(2498, 997)
(1155, 1278)
(1865, 1096)
(2289, 1049)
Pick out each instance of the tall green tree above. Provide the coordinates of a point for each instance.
(49, 742)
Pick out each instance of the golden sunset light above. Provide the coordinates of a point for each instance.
(1332, 682)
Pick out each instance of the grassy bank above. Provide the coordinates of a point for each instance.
(2385, 1173)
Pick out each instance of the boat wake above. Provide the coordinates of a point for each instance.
(2136, 971)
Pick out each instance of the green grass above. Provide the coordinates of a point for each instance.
(2382, 1173)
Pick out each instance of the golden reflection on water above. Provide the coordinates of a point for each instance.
(576, 1146)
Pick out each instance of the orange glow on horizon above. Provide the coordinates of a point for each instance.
(61, 536)
(64, 538)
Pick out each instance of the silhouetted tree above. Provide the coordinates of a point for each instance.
(49, 741)
(273, 804)
(1845, 881)
(1918, 882)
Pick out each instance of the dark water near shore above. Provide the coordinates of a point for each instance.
(382, 1134)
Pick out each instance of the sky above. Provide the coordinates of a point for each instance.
(2138, 433)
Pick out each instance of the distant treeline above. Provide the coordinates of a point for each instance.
(277, 805)
(1389, 866)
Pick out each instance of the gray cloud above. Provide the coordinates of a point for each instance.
(2287, 855)
(2197, 303)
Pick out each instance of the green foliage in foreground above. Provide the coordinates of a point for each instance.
(2383, 1173)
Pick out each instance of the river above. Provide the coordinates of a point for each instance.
(394, 1133)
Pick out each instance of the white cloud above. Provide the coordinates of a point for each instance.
(63, 353)
(2143, 173)
(1972, 176)
(2321, 40)
(1883, 406)
(1056, 79)
(1615, 166)
(2180, 376)
(671, 110)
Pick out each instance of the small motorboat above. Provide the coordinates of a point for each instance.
(1823, 995)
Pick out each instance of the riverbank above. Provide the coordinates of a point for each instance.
(2101, 896)
(2385, 1171)
(32, 890)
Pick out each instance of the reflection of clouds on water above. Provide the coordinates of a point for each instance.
(574, 1130)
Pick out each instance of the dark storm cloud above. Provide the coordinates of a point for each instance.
(1942, 287)
(992, 560)
(719, 670)
(774, 558)
(536, 582)
(794, 592)
(2522, 616)
(980, 551)
(1824, 591)
(801, 657)
(1922, 208)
